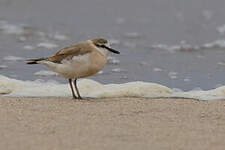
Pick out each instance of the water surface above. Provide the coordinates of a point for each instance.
(177, 43)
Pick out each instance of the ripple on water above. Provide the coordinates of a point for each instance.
(45, 73)
(113, 61)
(12, 58)
(28, 47)
(119, 70)
(157, 70)
(221, 29)
(183, 46)
(47, 45)
(172, 75)
(58, 36)
(8, 28)
(3, 66)
(187, 80)
(221, 63)
(214, 44)
(114, 41)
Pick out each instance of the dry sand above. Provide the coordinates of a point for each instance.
(111, 124)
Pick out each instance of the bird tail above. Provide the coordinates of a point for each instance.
(35, 61)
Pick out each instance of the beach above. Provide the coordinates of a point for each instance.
(111, 123)
(165, 91)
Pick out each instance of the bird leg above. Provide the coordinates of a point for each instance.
(71, 86)
(75, 84)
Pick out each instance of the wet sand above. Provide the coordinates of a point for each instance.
(115, 123)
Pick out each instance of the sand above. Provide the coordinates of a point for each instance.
(109, 124)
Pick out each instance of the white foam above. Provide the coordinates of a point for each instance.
(88, 88)
(28, 47)
(112, 60)
(11, 28)
(143, 63)
(3, 66)
(45, 73)
(157, 69)
(47, 45)
(13, 58)
(123, 77)
(221, 63)
(114, 41)
(183, 46)
(173, 75)
(221, 29)
(91, 88)
(21, 39)
(214, 44)
(58, 36)
(118, 70)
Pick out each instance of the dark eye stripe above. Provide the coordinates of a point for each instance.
(102, 46)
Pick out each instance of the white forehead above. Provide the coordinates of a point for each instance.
(107, 44)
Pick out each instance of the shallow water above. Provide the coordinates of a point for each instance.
(179, 44)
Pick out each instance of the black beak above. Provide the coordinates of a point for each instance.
(110, 49)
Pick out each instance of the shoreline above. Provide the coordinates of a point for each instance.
(111, 123)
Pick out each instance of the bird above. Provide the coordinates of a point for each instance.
(79, 60)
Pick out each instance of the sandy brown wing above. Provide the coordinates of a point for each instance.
(70, 51)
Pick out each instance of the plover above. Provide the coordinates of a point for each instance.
(78, 61)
